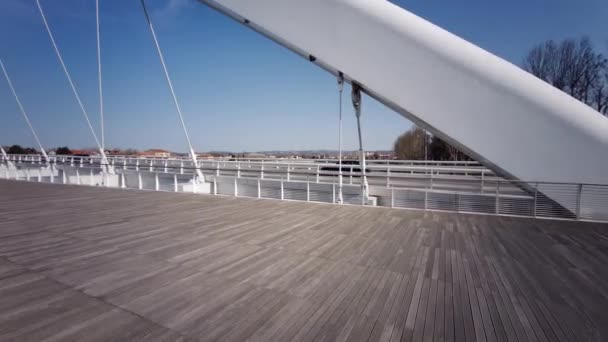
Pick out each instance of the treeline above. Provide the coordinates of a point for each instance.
(573, 66)
(18, 149)
(416, 144)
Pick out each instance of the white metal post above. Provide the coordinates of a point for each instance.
(123, 182)
(357, 102)
(282, 191)
(78, 176)
(175, 182)
(497, 197)
(156, 182)
(236, 191)
(262, 170)
(578, 201)
(307, 190)
(340, 182)
(140, 184)
(259, 189)
(392, 198)
(535, 198)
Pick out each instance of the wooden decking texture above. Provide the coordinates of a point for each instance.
(92, 264)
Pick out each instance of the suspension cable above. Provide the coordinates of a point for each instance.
(67, 74)
(340, 182)
(25, 116)
(179, 112)
(101, 118)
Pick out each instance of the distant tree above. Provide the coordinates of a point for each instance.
(441, 150)
(64, 151)
(17, 149)
(129, 152)
(411, 145)
(574, 67)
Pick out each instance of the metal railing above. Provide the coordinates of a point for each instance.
(411, 189)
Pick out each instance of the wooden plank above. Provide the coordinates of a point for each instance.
(170, 266)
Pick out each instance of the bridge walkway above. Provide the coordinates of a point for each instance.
(95, 264)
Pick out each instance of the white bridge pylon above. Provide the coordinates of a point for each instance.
(504, 117)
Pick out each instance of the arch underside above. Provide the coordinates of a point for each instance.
(507, 119)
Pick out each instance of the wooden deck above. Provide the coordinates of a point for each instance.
(89, 264)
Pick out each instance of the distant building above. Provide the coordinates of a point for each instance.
(205, 156)
(155, 153)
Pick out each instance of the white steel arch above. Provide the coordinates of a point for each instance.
(507, 119)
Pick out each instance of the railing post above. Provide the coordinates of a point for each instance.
(39, 176)
(64, 178)
(52, 169)
(333, 193)
(140, 183)
(351, 175)
(392, 198)
(181, 167)
(166, 166)
(123, 181)
(262, 171)
(175, 188)
(151, 165)
(535, 199)
(259, 189)
(497, 197)
(318, 170)
(72, 161)
(236, 187)
(215, 185)
(156, 182)
(578, 201)
(81, 162)
(124, 164)
(137, 165)
(307, 189)
(282, 190)
(78, 176)
(288, 175)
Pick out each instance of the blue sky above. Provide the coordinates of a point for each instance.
(238, 90)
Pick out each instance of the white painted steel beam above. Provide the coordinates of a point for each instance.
(504, 117)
